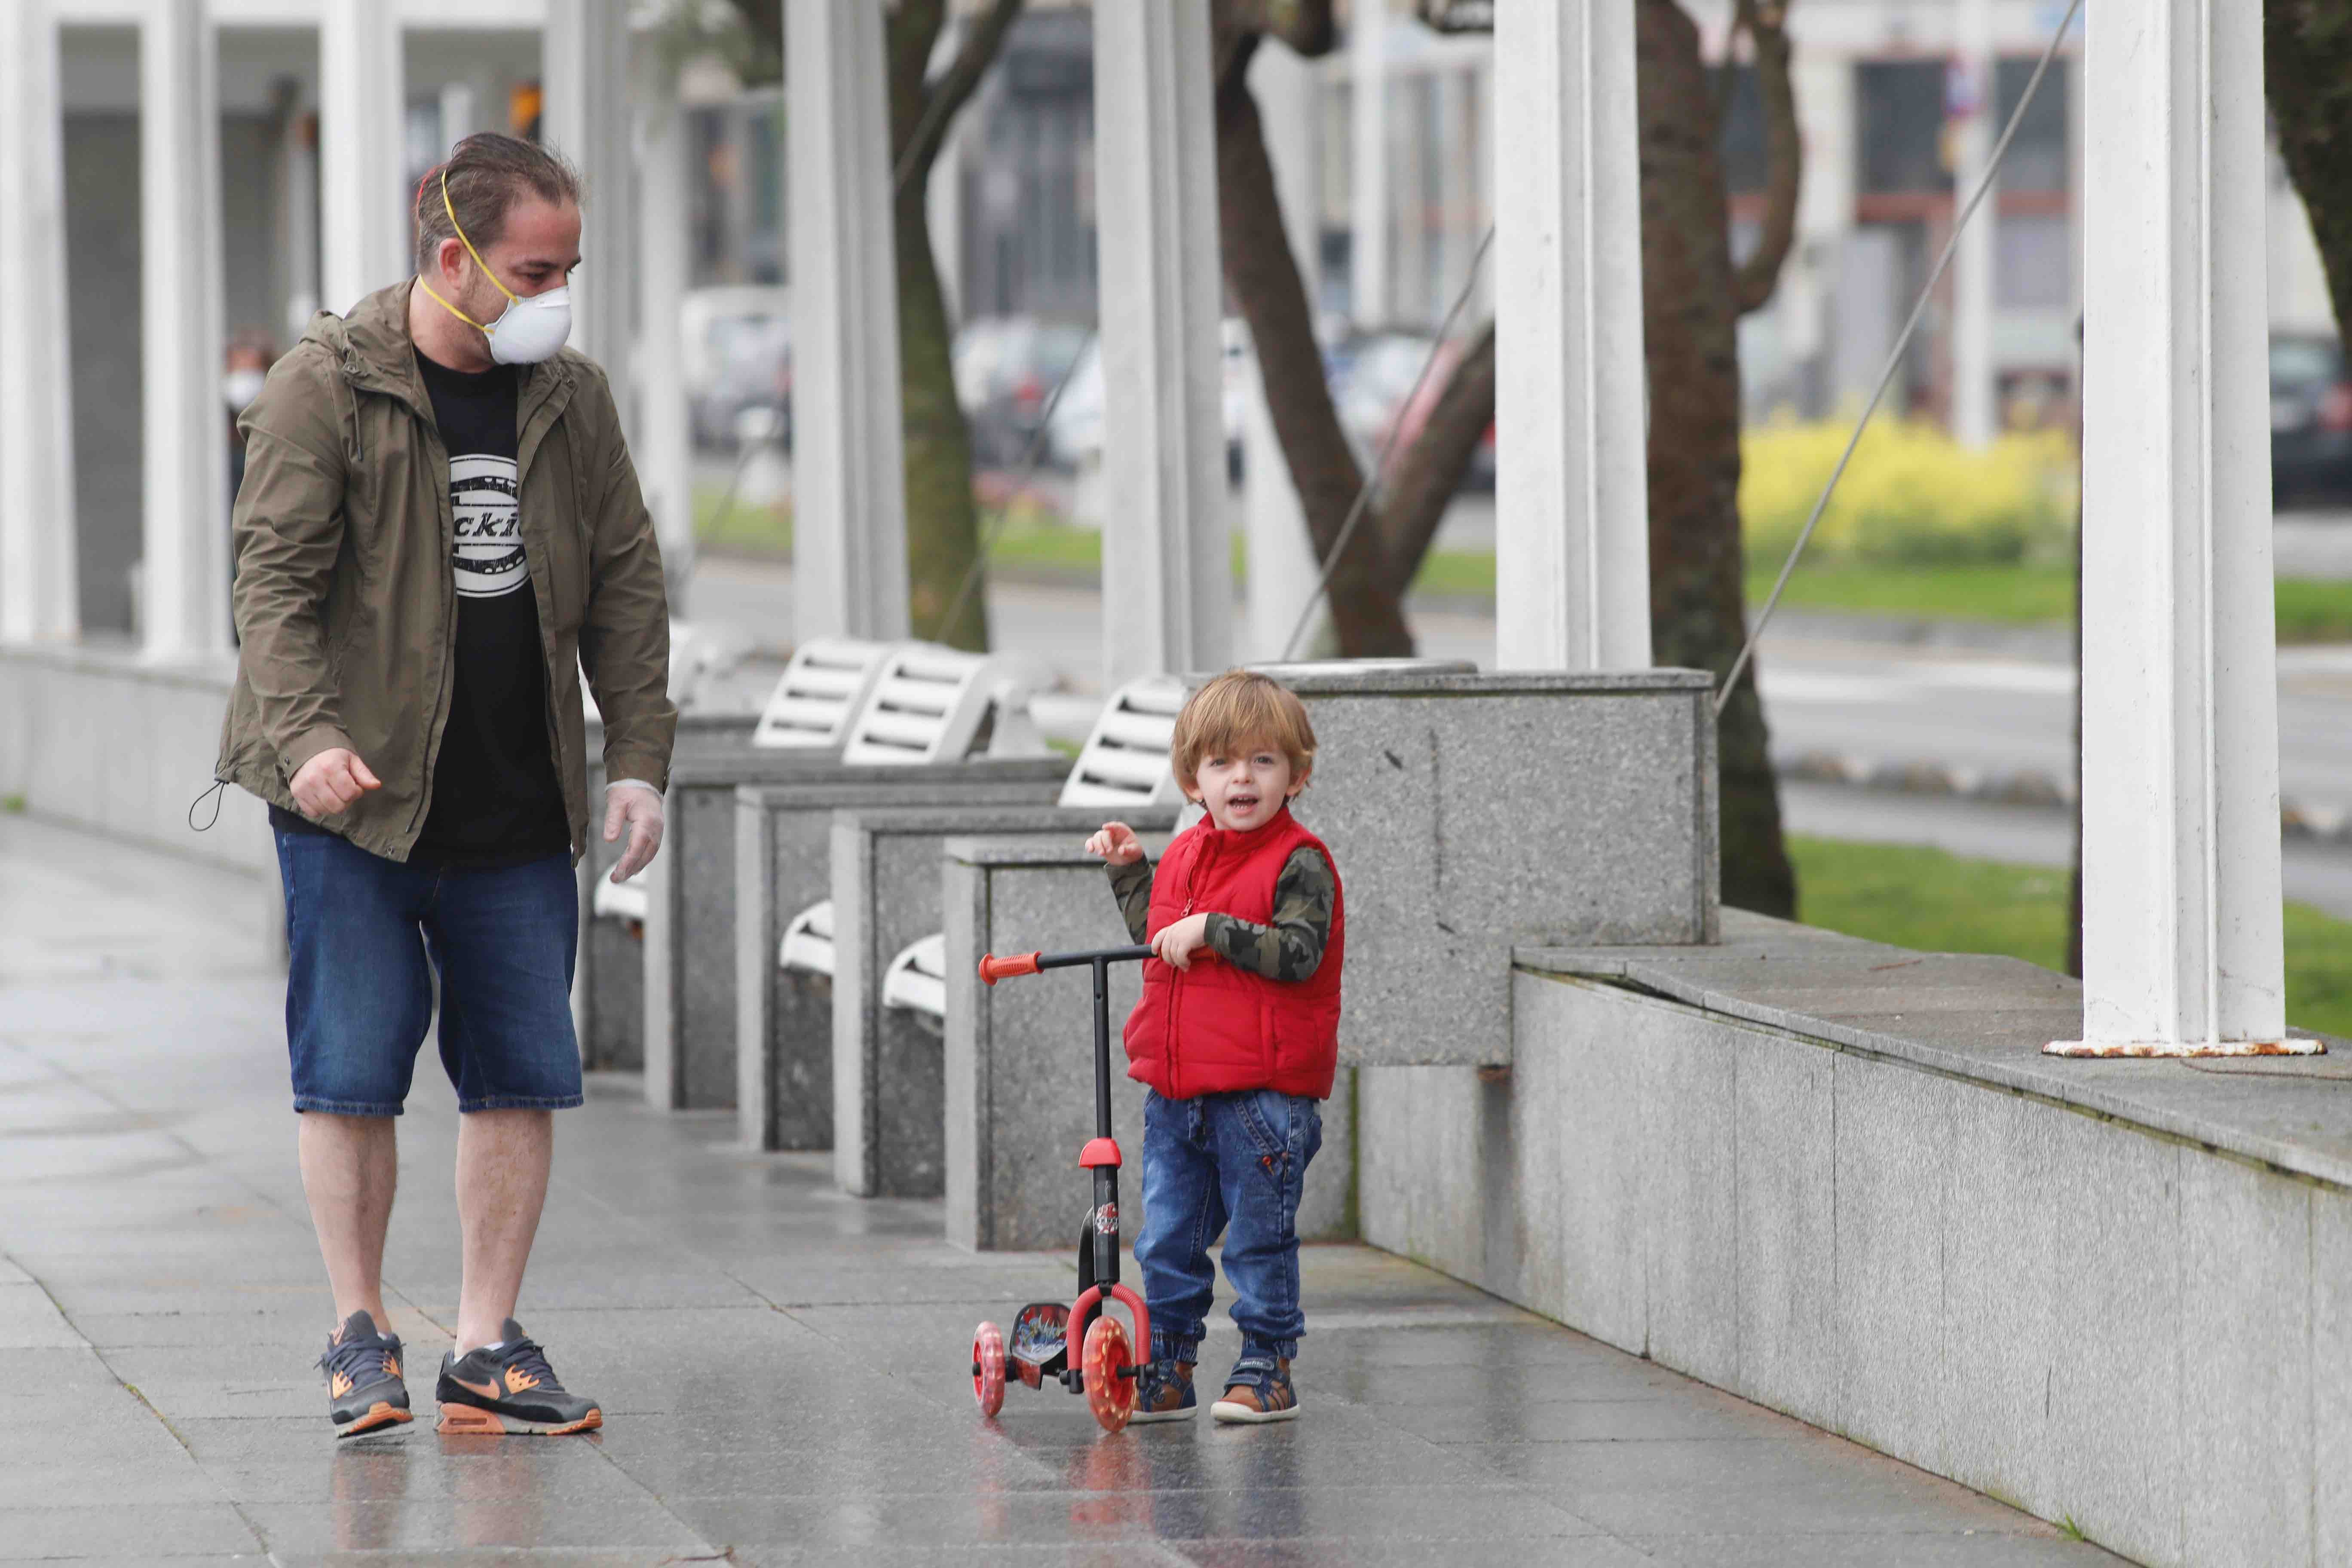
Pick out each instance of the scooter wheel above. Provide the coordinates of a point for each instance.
(988, 1368)
(1110, 1378)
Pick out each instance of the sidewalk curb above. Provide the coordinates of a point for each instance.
(2027, 786)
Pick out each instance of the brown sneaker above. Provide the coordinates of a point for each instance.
(1258, 1390)
(1164, 1392)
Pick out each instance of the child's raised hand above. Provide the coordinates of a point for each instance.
(1117, 843)
(1179, 939)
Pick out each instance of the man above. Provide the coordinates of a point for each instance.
(439, 527)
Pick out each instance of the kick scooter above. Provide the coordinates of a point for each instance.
(1042, 1331)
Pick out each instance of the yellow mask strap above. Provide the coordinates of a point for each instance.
(451, 209)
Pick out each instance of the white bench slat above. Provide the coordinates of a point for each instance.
(927, 706)
(917, 978)
(808, 941)
(1124, 763)
(619, 900)
(1139, 770)
(819, 695)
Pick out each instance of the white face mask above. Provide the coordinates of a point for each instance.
(529, 331)
(533, 328)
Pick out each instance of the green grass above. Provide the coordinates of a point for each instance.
(1031, 540)
(1938, 902)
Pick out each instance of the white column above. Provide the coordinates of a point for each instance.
(39, 590)
(585, 73)
(1167, 565)
(185, 559)
(663, 442)
(1974, 407)
(363, 222)
(2180, 808)
(849, 485)
(1571, 507)
(1282, 564)
(1367, 244)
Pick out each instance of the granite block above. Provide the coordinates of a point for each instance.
(790, 1016)
(2331, 1372)
(2001, 1332)
(1020, 1075)
(1893, 1133)
(1787, 1164)
(1600, 1207)
(888, 1070)
(1449, 860)
(2245, 1365)
(1687, 1146)
(1019, 1088)
(2115, 1394)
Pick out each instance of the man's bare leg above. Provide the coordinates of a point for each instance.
(503, 1158)
(350, 1166)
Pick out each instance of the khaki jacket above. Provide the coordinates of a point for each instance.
(346, 603)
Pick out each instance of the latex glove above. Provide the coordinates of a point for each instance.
(636, 805)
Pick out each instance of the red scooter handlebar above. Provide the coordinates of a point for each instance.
(993, 969)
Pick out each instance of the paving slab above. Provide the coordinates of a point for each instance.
(783, 1366)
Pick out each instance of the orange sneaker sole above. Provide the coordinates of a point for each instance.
(467, 1421)
(379, 1416)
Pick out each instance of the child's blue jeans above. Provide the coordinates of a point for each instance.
(1230, 1163)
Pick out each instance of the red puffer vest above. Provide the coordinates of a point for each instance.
(1218, 1027)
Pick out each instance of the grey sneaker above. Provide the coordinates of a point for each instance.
(364, 1391)
(509, 1387)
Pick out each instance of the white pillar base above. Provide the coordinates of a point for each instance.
(2185, 1048)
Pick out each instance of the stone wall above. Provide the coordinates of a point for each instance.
(2089, 1316)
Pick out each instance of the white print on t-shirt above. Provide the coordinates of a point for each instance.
(489, 558)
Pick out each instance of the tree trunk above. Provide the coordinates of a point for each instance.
(942, 521)
(1690, 319)
(2308, 76)
(1367, 612)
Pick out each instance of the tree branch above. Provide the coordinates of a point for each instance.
(942, 98)
(1306, 26)
(1424, 478)
(1766, 22)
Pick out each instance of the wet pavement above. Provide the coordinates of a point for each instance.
(782, 1369)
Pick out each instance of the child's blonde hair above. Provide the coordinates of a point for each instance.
(1237, 708)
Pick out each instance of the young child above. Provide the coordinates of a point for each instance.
(1236, 1038)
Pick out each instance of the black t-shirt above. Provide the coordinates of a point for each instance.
(496, 799)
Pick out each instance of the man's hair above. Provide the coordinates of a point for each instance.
(1241, 708)
(488, 174)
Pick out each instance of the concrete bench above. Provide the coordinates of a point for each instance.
(1468, 814)
(928, 710)
(882, 948)
(783, 934)
(823, 685)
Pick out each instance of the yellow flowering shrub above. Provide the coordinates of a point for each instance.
(1911, 495)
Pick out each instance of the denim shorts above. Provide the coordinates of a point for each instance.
(363, 930)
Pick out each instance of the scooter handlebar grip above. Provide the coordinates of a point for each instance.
(993, 969)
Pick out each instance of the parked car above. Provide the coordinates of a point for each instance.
(737, 342)
(1075, 436)
(2310, 419)
(1006, 368)
(1373, 376)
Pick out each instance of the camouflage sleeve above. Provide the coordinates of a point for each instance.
(1131, 885)
(1291, 947)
